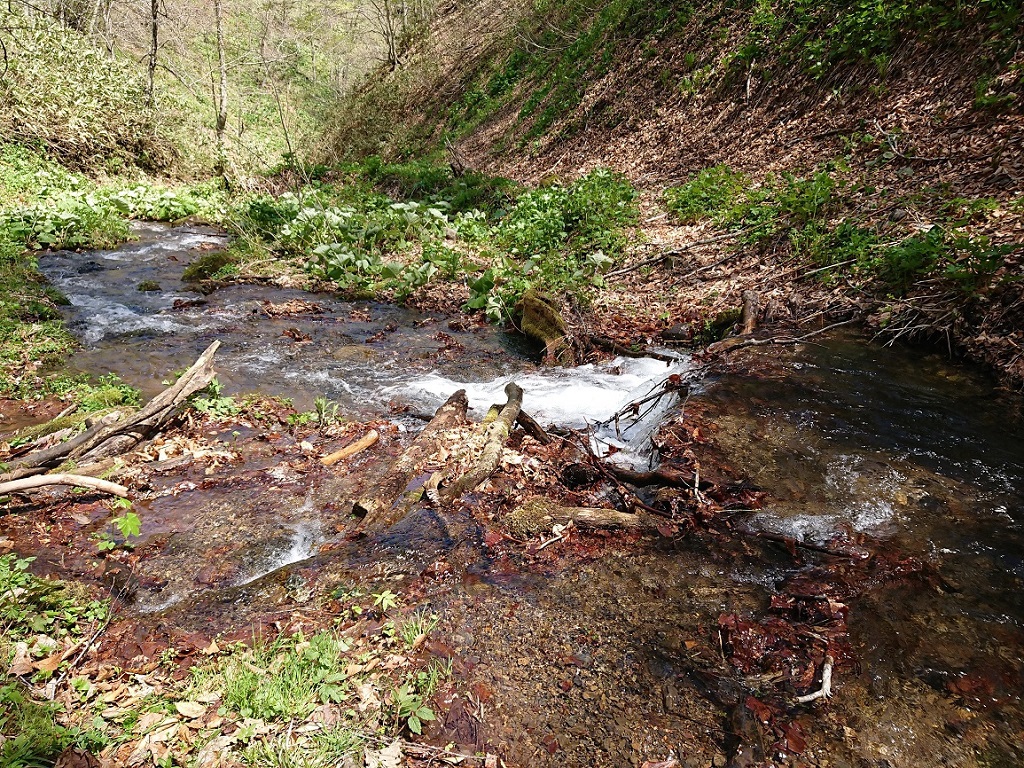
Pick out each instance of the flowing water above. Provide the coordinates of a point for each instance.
(900, 451)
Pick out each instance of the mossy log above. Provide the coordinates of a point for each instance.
(541, 320)
(538, 514)
(495, 435)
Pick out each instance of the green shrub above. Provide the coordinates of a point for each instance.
(557, 237)
(31, 606)
(72, 219)
(706, 193)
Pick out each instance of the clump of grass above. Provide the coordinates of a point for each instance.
(706, 193)
(321, 749)
(286, 678)
(416, 626)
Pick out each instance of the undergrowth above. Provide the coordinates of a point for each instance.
(66, 95)
(560, 237)
(46, 206)
(811, 214)
(41, 610)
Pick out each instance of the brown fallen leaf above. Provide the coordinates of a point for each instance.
(211, 649)
(190, 709)
(148, 721)
(21, 664)
(73, 757)
(49, 664)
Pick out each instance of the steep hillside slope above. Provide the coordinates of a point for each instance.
(877, 147)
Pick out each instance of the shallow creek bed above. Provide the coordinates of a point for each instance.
(833, 577)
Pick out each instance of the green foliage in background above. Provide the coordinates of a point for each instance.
(557, 238)
(66, 96)
(45, 206)
(809, 212)
(560, 237)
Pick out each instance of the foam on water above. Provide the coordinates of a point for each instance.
(588, 396)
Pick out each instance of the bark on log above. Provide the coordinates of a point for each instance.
(80, 481)
(494, 442)
(751, 306)
(111, 436)
(379, 510)
(610, 345)
(532, 428)
(677, 478)
(353, 449)
(538, 514)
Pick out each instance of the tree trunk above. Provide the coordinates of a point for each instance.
(154, 29)
(751, 306)
(222, 92)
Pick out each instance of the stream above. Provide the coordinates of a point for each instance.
(584, 662)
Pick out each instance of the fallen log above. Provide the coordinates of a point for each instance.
(664, 475)
(496, 434)
(532, 428)
(112, 434)
(379, 511)
(538, 514)
(352, 449)
(610, 345)
(80, 481)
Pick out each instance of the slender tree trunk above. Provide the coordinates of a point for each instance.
(222, 92)
(154, 29)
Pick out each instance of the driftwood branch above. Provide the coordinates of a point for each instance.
(825, 692)
(664, 475)
(739, 342)
(353, 449)
(673, 252)
(112, 435)
(538, 514)
(80, 481)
